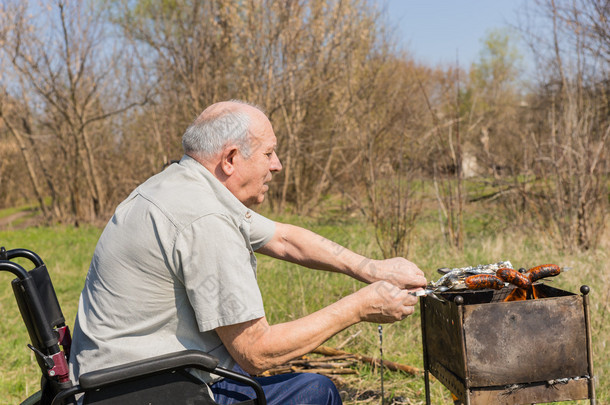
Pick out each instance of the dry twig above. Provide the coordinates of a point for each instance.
(335, 362)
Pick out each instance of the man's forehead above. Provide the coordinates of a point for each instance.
(263, 139)
(261, 131)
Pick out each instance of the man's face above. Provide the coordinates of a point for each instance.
(254, 172)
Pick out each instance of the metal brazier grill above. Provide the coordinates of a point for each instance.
(487, 351)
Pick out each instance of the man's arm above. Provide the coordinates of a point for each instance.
(258, 346)
(306, 248)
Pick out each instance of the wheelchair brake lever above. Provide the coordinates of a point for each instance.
(47, 359)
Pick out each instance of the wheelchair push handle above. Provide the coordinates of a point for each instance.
(25, 253)
(14, 268)
(29, 290)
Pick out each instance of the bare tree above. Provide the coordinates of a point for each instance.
(22, 136)
(382, 163)
(569, 125)
(294, 58)
(69, 75)
(446, 156)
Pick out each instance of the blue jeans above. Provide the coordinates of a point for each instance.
(283, 389)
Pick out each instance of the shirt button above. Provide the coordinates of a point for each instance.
(248, 215)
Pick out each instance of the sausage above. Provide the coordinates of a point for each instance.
(542, 271)
(514, 277)
(481, 281)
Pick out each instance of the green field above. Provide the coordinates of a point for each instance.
(291, 292)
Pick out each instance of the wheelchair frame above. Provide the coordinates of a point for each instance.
(156, 380)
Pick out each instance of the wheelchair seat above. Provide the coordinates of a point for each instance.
(157, 380)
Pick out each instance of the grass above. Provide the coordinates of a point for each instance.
(290, 292)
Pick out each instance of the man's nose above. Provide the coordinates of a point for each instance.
(276, 165)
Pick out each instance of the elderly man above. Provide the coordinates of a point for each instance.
(175, 268)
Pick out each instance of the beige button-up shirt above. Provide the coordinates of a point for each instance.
(175, 262)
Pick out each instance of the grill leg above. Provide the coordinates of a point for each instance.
(422, 303)
(585, 300)
(427, 384)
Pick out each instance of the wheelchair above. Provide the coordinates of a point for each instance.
(158, 380)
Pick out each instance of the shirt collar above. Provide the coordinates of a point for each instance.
(222, 193)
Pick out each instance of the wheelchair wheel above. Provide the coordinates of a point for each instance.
(33, 399)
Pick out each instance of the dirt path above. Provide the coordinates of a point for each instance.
(13, 221)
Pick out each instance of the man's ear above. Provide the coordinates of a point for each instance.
(227, 160)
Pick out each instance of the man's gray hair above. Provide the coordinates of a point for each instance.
(208, 136)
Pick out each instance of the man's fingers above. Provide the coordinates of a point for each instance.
(387, 303)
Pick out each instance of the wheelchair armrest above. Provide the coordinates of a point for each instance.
(171, 361)
(136, 370)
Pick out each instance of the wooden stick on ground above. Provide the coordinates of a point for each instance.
(329, 351)
(335, 362)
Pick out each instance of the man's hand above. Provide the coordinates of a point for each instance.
(397, 271)
(382, 302)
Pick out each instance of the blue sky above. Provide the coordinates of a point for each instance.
(441, 31)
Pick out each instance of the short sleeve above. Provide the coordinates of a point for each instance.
(262, 230)
(212, 259)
